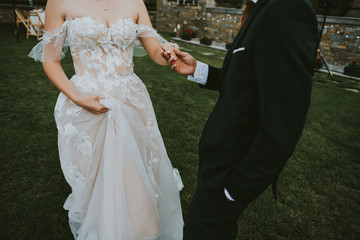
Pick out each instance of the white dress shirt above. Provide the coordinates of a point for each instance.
(201, 73)
(200, 76)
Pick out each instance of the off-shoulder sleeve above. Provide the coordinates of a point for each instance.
(143, 31)
(52, 47)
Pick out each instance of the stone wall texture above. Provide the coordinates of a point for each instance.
(221, 24)
(340, 44)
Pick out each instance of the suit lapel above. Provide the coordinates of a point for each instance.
(239, 35)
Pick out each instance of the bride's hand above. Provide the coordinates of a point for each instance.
(167, 51)
(91, 104)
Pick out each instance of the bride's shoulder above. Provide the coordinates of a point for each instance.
(55, 6)
(139, 4)
(54, 14)
(55, 3)
(59, 6)
(141, 9)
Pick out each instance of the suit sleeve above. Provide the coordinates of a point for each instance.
(284, 56)
(213, 80)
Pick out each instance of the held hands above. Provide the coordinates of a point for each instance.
(181, 62)
(167, 51)
(91, 104)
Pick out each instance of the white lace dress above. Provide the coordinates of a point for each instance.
(123, 184)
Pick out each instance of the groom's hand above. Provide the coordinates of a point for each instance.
(184, 64)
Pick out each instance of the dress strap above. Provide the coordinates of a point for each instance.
(53, 45)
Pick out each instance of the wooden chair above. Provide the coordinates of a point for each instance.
(34, 23)
(20, 18)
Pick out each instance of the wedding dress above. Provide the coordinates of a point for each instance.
(123, 184)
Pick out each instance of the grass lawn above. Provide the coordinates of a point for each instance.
(319, 189)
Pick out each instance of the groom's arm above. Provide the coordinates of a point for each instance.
(283, 63)
(206, 76)
(213, 79)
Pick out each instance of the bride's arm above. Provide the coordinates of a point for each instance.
(151, 44)
(54, 19)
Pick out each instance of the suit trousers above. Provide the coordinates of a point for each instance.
(211, 217)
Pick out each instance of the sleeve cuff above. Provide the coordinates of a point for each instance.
(201, 73)
(227, 194)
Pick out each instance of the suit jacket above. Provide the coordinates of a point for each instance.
(265, 88)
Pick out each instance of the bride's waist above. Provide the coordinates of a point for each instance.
(102, 77)
(87, 83)
(94, 75)
(101, 70)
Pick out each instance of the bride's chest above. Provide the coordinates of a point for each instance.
(84, 32)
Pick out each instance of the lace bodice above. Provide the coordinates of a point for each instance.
(98, 51)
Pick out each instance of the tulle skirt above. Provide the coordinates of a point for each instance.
(123, 184)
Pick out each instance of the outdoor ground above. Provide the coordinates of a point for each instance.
(319, 189)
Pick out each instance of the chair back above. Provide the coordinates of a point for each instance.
(34, 23)
(20, 18)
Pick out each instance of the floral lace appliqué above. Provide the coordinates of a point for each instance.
(78, 139)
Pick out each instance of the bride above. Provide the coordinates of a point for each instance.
(111, 151)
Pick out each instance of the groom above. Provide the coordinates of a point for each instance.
(264, 93)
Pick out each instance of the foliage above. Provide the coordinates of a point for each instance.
(188, 34)
(319, 63)
(318, 191)
(353, 69)
(206, 40)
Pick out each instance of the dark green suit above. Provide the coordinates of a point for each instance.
(265, 88)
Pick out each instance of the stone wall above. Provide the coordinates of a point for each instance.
(7, 13)
(340, 43)
(221, 24)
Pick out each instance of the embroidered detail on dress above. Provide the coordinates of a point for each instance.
(48, 36)
(71, 171)
(74, 109)
(78, 139)
(145, 31)
(152, 129)
(178, 180)
(150, 165)
(60, 103)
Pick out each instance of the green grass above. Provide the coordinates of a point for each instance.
(319, 190)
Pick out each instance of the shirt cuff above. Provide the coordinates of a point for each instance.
(201, 73)
(227, 194)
